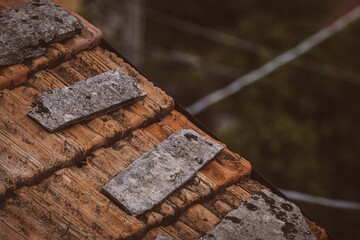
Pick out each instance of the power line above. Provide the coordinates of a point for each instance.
(232, 72)
(292, 195)
(245, 45)
(275, 63)
(333, 203)
(242, 44)
(236, 42)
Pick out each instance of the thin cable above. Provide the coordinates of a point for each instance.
(236, 42)
(232, 72)
(333, 203)
(275, 63)
(245, 45)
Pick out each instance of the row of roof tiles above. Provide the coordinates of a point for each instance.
(42, 152)
(75, 192)
(51, 183)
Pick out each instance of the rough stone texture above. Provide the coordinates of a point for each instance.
(27, 31)
(86, 99)
(264, 216)
(163, 238)
(155, 175)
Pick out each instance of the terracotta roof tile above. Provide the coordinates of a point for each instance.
(73, 143)
(64, 192)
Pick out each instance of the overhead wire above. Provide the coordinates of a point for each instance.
(269, 67)
(239, 43)
(246, 45)
(332, 203)
(292, 195)
(195, 61)
(275, 63)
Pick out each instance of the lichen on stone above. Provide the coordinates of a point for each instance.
(28, 30)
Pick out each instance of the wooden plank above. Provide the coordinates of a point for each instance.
(9, 233)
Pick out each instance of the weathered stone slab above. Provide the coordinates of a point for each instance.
(86, 99)
(264, 216)
(155, 175)
(163, 238)
(28, 30)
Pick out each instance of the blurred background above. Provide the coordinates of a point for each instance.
(298, 126)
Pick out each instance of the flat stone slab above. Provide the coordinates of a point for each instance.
(154, 176)
(28, 30)
(86, 99)
(264, 216)
(163, 238)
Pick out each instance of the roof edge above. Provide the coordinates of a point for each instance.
(255, 175)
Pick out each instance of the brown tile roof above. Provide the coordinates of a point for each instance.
(39, 153)
(74, 193)
(50, 183)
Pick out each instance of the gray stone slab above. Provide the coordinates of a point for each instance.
(264, 216)
(163, 238)
(86, 99)
(27, 30)
(155, 175)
